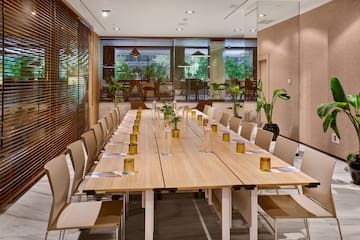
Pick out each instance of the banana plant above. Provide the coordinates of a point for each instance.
(348, 104)
(268, 106)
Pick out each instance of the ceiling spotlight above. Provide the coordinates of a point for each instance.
(189, 11)
(179, 29)
(237, 30)
(262, 15)
(33, 13)
(252, 30)
(116, 28)
(105, 12)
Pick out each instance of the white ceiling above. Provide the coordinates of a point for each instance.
(212, 18)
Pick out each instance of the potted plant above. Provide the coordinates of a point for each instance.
(350, 105)
(236, 93)
(268, 107)
(114, 91)
(175, 119)
(168, 110)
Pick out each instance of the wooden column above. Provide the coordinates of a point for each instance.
(94, 82)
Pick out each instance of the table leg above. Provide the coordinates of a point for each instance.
(149, 214)
(225, 213)
(253, 231)
(209, 195)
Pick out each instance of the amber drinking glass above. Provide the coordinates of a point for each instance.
(265, 163)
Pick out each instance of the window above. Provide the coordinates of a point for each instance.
(151, 64)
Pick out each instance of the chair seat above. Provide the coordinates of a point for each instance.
(90, 215)
(293, 206)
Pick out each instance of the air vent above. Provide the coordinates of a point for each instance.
(265, 21)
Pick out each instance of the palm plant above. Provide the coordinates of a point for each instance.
(268, 106)
(348, 104)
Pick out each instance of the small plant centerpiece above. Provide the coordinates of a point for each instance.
(174, 119)
(268, 107)
(168, 110)
(350, 105)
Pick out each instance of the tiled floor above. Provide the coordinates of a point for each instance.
(177, 217)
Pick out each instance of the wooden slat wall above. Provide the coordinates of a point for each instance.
(43, 88)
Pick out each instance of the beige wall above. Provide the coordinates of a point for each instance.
(329, 46)
(279, 45)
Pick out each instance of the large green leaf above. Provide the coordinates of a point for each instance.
(357, 118)
(354, 100)
(259, 103)
(267, 107)
(324, 108)
(330, 120)
(281, 93)
(337, 90)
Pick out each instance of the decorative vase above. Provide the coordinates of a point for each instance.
(175, 133)
(274, 128)
(354, 167)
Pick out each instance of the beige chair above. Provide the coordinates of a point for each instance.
(263, 138)
(210, 112)
(100, 144)
(285, 149)
(216, 115)
(206, 109)
(224, 120)
(115, 118)
(118, 112)
(90, 145)
(201, 104)
(315, 202)
(82, 215)
(77, 157)
(110, 123)
(105, 130)
(247, 130)
(234, 124)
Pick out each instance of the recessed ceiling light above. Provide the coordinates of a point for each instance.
(252, 30)
(33, 13)
(116, 28)
(262, 15)
(105, 12)
(237, 30)
(179, 29)
(189, 11)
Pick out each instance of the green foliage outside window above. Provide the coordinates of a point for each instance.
(240, 71)
(198, 68)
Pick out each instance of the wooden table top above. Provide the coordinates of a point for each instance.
(246, 165)
(189, 166)
(148, 173)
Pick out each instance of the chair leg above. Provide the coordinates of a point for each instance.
(116, 234)
(338, 223)
(46, 234)
(275, 229)
(307, 227)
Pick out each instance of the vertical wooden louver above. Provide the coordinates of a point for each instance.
(44, 64)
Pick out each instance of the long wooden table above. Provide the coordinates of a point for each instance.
(189, 168)
(245, 166)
